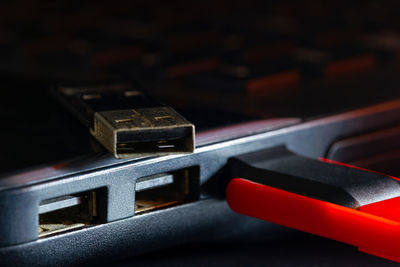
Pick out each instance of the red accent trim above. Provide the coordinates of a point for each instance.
(274, 83)
(354, 64)
(371, 233)
(355, 167)
(188, 68)
(389, 209)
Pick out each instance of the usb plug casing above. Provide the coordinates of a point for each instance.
(128, 122)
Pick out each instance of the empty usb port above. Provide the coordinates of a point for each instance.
(166, 189)
(69, 212)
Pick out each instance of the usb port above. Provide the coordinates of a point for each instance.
(143, 132)
(166, 189)
(70, 212)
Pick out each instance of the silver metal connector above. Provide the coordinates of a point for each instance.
(141, 132)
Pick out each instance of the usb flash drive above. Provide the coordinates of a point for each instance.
(128, 122)
(344, 203)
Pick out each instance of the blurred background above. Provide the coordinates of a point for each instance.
(217, 62)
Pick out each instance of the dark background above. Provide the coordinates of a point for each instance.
(161, 44)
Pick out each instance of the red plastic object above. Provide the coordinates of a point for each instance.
(374, 229)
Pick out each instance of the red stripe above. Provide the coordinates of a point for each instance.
(373, 234)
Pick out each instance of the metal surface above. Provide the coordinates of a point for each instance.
(154, 181)
(155, 131)
(59, 203)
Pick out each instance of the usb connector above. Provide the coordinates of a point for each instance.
(144, 131)
(127, 122)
